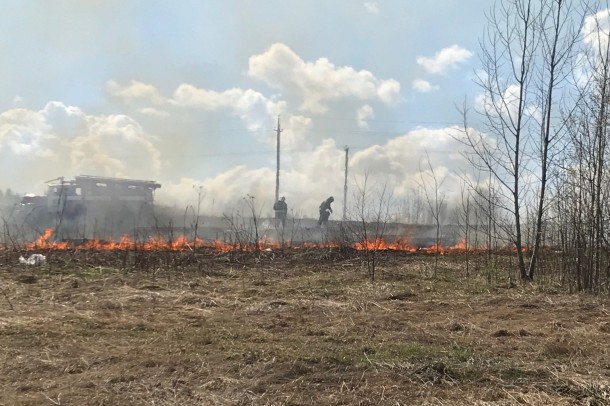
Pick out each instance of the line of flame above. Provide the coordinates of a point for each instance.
(45, 242)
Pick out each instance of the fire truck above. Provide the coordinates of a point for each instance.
(92, 205)
(76, 197)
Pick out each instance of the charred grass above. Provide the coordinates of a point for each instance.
(292, 329)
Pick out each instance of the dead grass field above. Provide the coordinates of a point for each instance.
(288, 330)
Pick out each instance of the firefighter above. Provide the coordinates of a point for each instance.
(281, 211)
(325, 211)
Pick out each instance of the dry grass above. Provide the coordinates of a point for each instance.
(288, 330)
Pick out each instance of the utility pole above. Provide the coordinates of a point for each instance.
(278, 130)
(345, 184)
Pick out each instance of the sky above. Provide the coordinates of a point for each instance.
(188, 93)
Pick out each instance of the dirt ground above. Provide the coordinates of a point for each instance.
(293, 330)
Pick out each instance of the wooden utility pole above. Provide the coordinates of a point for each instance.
(278, 130)
(345, 184)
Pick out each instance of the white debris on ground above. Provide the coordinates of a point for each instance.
(34, 259)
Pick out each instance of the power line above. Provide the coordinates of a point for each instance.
(330, 118)
(270, 152)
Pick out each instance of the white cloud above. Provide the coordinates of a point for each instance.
(311, 86)
(315, 84)
(596, 33)
(388, 91)
(507, 105)
(134, 91)
(371, 7)
(256, 111)
(363, 114)
(191, 96)
(153, 112)
(115, 146)
(251, 106)
(445, 59)
(596, 29)
(62, 140)
(423, 86)
(24, 134)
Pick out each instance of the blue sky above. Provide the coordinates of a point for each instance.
(188, 93)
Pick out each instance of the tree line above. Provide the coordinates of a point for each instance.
(539, 143)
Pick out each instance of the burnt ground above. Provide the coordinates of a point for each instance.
(87, 329)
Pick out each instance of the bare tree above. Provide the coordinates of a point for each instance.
(558, 31)
(371, 213)
(526, 56)
(464, 213)
(582, 196)
(200, 196)
(412, 207)
(250, 202)
(245, 228)
(436, 201)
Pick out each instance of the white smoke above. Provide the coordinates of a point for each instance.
(314, 175)
(62, 140)
(158, 131)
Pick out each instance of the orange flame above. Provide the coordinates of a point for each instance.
(379, 244)
(44, 242)
(182, 243)
(460, 246)
(404, 245)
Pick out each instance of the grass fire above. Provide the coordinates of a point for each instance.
(123, 323)
(116, 300)
(283, 203)
(182, 243)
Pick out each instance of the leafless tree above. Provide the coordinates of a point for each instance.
(370, 214)
(412, 207)
(464, 213)
(559, 23)
(582, 192)
(435, 198)
(244, 225)
(200, 196)
(526, 56)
